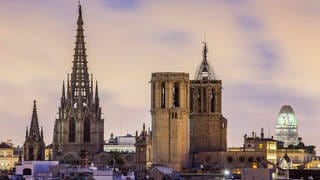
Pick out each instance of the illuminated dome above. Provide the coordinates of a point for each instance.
(286, 128)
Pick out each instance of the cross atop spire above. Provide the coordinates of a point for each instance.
(34, 126)
(204, 70)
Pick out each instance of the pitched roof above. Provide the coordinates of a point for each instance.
(5, 145)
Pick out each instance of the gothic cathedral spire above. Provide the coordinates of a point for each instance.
(34, 126)
(80, 86)
(79, 126)
(34, 145)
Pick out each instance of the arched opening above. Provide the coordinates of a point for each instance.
(163, 95)
(199, 100)
(72, 130)
(204, 100)
(153, 95)
(176, 95)
(212, 99)
(31, 154)
(86, 130)
(191, 100)
(27, 171)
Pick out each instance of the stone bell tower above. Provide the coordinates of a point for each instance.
(170, 119)
(208, 127)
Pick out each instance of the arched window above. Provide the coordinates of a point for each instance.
(176, 95)
(72, 130)
(86, 130)
(31, 155)
(199, 100)
(212, 99)
(27, 171)
(204, 100)
(153, 95)
(191, 100)
(163, 95)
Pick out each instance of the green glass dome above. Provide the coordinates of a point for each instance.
(287, 126)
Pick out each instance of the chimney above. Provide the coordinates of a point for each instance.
(262, 134)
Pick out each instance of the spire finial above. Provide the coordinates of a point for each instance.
(204, 71)
(34, 126)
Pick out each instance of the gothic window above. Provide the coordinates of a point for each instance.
(191, 101)
(31, 155)
(163, 95)
(212, 99)
(199, 100)
(204, 100)
(153, 95)
(176, 95)
(72, 130)
(86, 130)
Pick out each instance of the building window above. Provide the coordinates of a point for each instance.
(229, 159)
(86, 130)
(31, 155)
(163, 95)
(191, 100)
(176, 95)
(212, 99)
(199, 100)
(260, 146)
(204, 100)
(72, 130)
(241, 159)
(153, 95)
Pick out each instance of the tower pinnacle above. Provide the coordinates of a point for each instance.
(34, 126)
(79, 76)
(204, 70)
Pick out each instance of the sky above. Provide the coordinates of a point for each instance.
(265, 52)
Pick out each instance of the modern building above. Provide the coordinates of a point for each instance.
(34, 146)
(122, 144)
(79, 126)
(7, 157)
(287, 126)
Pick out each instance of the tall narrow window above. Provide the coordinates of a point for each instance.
(176, 95)
(204, 100)
(191, 100)
(153, 95)
(212, 99)
(163, 95)
(199, 100)
(86, 130)
(31, 155)
(72, 130)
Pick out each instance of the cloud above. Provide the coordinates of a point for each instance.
(122, 4)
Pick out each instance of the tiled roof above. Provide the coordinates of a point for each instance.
(5, 145)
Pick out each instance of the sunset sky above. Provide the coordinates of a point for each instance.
(266, 52)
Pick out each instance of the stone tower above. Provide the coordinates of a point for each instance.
(170, 117)
(34, 145)
(143, 150)
(208, 128)
(79, 127)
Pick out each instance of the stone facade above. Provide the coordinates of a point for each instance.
(170, 119)
(79, 126)
(208, 127)
(34, 145)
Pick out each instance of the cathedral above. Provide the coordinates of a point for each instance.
(34, 146)
(79, 127)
